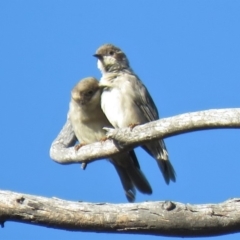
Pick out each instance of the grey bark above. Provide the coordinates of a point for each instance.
(152, 218)
(62, 151)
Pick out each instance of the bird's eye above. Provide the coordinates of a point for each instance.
(111, 53)
(89, 92)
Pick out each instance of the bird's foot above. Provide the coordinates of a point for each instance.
(133, 125)
(103, 139)
(78, 146)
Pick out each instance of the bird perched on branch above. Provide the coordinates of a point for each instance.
(126, 101)
(88, 120)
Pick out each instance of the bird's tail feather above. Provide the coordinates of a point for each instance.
(158, 150)
(126, 183)
(130, 174)
(137, 176)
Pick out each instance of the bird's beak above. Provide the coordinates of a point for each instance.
(98, 56)
(101, 85)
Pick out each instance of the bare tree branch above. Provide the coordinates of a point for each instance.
(153, 218)
(62, 152)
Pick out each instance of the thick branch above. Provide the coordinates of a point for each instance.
(153, 218)
(189, 122)
(62, 152)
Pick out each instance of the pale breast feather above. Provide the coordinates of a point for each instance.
(111, 103)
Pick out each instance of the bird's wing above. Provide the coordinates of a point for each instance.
(143, 99)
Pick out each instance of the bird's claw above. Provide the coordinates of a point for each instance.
(103, 139)
(133, 125)
(78, 146)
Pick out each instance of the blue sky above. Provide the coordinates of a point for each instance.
(186, 52)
